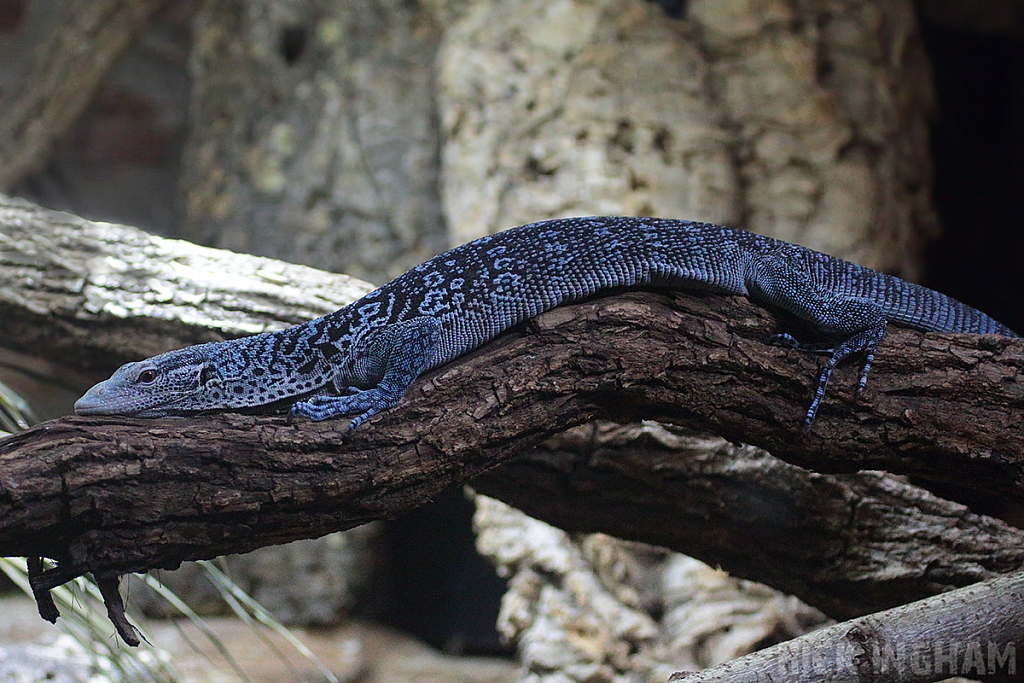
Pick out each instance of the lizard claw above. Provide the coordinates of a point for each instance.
(363, 404)
(784, 339)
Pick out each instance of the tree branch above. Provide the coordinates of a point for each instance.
(928, 640)
(946, 408)
(65, 73)
(849, 544)
(123, 494)
(116, 495)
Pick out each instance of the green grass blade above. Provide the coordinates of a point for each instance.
(178, 604)
(258, 612)
(83, 617)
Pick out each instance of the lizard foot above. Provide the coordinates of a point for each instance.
(866, 341)
(364, 404)
(402, 351)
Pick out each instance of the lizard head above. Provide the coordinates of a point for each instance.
(161, 385)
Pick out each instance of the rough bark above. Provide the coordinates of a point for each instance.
(929, 640)
(849, 544)
(63, 76)
(122, 494)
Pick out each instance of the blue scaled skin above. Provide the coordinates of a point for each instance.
(362, 358)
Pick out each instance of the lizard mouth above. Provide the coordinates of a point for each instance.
(104, 399)
(96, 401)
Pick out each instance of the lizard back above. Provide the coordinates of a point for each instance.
(468, 295)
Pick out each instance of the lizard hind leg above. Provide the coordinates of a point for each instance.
(782, 278)
(399, 354)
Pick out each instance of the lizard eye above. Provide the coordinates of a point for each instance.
(147, 376)
(206, 374)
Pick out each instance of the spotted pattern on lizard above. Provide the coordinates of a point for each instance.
(361, 359)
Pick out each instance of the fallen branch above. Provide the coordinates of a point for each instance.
(928, 640)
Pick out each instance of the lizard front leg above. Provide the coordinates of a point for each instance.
(397, 356)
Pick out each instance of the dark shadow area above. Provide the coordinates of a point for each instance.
(978, 150)
(675, 9)
(442, 591)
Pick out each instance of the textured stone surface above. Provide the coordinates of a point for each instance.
(827, 102)
(594, 608)
(314, 137)
(554, 108)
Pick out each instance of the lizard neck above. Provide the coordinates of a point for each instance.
(284, 365)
